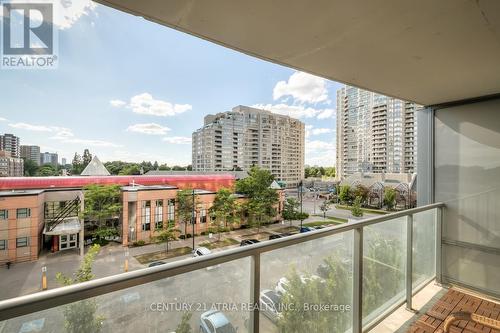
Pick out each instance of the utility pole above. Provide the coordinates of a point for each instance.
(300, 196)
(193, 219)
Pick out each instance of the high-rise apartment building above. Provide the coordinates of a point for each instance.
(375, 133)
(246, 137)
(10, 166)
(31, 153)
(10, 144)
(49, 158)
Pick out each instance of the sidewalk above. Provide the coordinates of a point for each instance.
(25, 278)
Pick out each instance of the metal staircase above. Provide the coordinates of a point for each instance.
(72, 208)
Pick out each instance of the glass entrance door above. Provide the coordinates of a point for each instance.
(68, 241)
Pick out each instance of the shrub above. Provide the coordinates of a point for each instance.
(182, 236)
(139, 243)
(203, 233)
(189, 236)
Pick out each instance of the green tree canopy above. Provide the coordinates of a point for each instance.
(102, 202)
(262, 199)
(47, 170)
(81, 317)
(356, 210)
(345, 194)
(30, 168)
(390, 198)
(223, 209)
(185, 206)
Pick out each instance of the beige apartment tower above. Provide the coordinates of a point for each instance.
(375, 133)
(246, 137)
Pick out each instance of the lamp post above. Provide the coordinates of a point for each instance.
(300, 197)
(125, 267)
(193, 219)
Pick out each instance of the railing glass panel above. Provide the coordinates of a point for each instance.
(384, 266)
(424, 246)
(313, 283)
(156, 306)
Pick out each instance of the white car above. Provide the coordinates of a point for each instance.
(270, 304)
(282, 285)
(201, 251)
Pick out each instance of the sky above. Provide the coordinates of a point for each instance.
(132, 90)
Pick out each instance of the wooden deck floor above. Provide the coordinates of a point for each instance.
(453, 301)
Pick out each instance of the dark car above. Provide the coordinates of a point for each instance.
(249, 242)
(306, 229)
(276, 236)
(156, 263)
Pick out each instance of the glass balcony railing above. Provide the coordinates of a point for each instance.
(340, 279)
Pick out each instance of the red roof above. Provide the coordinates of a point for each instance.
(206, 182)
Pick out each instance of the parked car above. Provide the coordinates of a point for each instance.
(306, 229)
(156, 263)
(270, 304)
(201, 251)
(275, 236)
(282, 285)
(319, 227)
(215, 321)
(249, 242)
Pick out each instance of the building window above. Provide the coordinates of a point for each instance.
(23, 213)
(171, 213)
(22, 242)
(146, 215)
(203, 215)
(4, 214)
(3, 244)
(159, 214)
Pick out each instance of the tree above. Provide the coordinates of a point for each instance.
(185, 206)
(390, 198)
(30, 168)
(291, 210)
(168, 235)
(345, 194)
(330, 172)
(361, 191)
(47, 170)
(77, 165)
(104, 232)
(302, 290)
(356, 210)
(130, 169)
(324, 207)
(81, 317)
(87, 157)
(184, 326)
(102, 202)
(262, 199)
(223, 209)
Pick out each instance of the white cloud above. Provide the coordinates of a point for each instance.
(68, 12)
(295, 111)
(92, 143)
(327, 113)
(320, 153)
(318, 131)
(180, 140)
(150, 128)
(3, 119)
(117, 103)
(31, 127)
(145, 104)
(63, 134)
(302, 87)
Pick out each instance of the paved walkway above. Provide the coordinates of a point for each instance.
(25, 278)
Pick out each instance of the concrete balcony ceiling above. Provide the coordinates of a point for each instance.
(425, 51)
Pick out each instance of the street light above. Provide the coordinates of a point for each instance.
(300, 196)
(44, 278)
(193, 219)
